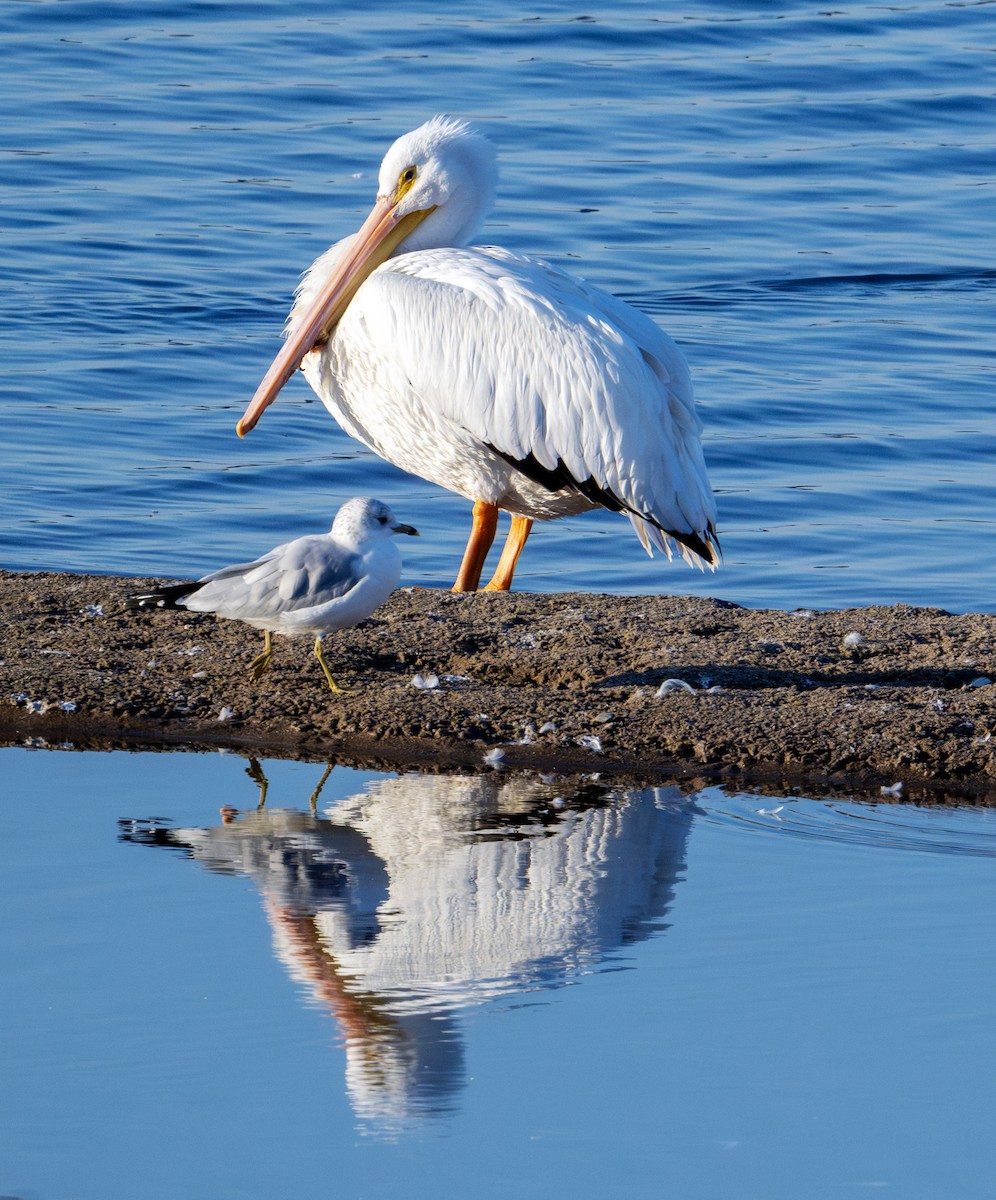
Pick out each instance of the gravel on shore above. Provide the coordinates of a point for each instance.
(649, 686)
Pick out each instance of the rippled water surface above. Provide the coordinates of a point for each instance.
(389, 986)
(803, 196)
(231, 979)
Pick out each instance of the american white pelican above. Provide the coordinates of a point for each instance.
(314, 585)
(493, 374)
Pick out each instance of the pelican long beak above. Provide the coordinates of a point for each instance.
(377, 239)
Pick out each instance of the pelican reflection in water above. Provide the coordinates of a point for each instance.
(422, 895)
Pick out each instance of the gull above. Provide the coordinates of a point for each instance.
(494, 374)
(313, 585)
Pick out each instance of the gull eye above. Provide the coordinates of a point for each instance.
(382, 520)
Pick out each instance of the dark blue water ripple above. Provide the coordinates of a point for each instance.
(804, 199)
(889, 827)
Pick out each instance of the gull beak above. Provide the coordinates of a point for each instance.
(409, 529)
(376, 241)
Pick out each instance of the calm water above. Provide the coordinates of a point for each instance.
(459, 986)
(497, 987)
(804, 196)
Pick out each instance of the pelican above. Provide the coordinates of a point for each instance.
(315, 584)
(493, 374)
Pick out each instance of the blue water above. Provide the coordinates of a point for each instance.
(804, 196)
(446, 986)
(497, 986)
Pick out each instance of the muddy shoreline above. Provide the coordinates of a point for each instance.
(649, 687)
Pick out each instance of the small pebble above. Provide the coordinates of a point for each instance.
(425, 683)
(674, 685)
(590, 742)
(853, 638)
(548, 727)
(226, 714)
(981, 681)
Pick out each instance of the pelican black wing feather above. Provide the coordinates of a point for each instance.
(556, 478)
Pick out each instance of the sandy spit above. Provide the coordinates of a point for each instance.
(646, 686)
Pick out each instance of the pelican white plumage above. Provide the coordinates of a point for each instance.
(493, 374)
(313, 585)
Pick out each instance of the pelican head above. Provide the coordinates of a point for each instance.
(448, 171)
(436, 185)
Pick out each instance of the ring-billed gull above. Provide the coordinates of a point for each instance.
(313, 585)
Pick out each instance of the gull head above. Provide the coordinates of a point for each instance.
(363, 520)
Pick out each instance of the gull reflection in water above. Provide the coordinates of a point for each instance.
(423, 894)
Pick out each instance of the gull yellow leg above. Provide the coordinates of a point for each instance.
(260, 663)
(324, 665)
(514, 543)
(482, 534)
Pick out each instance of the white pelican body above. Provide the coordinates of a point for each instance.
(492, 374)
(313, 585)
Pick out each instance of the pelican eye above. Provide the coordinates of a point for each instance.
(406, 179)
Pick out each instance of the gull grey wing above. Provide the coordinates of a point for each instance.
(241, 569)
(300, 574)
(315, 570)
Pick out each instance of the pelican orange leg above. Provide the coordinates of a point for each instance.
(482, 534)
(514, 544)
